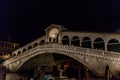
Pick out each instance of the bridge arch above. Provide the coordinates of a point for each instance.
(81, 61)
(65, 40)
(19, 52)
(86, 42)
(75, 41)
(30, 47)
(36, 44)
(23, 50)
(14, 54)
(113, 45)
(42, 42)
(99, 44)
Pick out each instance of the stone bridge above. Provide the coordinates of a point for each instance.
(93, 50)
(95, 60)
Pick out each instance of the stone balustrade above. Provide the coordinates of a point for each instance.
(67, 49)
(95, 59)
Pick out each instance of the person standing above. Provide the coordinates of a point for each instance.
(55, 73)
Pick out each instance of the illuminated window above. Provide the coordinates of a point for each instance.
(14, 46)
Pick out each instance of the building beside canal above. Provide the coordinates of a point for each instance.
(6, 49)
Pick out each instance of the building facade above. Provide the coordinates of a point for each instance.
(6, 49)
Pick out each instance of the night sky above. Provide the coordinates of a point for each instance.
(25, 20)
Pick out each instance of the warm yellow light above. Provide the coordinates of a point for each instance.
(14, 46)
(6, 56)
(53, 32)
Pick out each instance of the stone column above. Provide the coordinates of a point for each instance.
(47, 39)
(59, 36)
(79, 72)
(70, 38)
(86, 74)
(81, 39)
(92, 44)
(105, 46)
(107, 73)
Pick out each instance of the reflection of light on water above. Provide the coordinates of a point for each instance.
(65, 66)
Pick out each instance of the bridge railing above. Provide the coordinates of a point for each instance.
(75, 50)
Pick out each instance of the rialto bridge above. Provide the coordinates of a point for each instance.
(93, 50)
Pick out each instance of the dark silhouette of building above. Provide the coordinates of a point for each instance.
(6, 49)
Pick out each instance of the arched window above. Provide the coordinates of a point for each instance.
(113, 45)
(13, 55)
(30, 47)
(23, 50)
(75, 41)
(10, 54)
(42, 42)
(19, 52)
(86, 42)
(35, 44)
(99, 44)
(65, 40)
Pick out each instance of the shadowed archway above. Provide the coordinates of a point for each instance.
(55, 59)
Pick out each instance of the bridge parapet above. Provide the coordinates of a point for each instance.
(84, 55)
(75, 50)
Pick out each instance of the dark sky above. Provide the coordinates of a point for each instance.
(25, 20)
